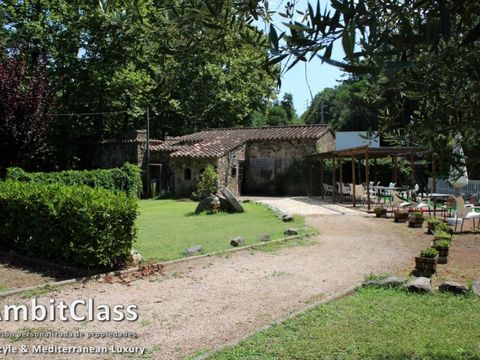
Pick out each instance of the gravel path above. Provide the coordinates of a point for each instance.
(205, 303)
(306, 206)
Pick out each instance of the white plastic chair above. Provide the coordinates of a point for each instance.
(463, 213)
(327, 189)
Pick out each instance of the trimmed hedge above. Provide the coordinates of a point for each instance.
(126, 178)
(75, 225)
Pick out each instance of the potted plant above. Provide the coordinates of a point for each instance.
(440, 235)
(442, 246)
(380, 211)
(432, 224)
(426, 262)
(444, 226)
(400, 215)
(415, 219)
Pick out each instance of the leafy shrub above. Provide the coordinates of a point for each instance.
(442, 226)
(433, 222)
(416, 215)
(208, 183)
(441, 234)
(75, 224)
(126, 178)
(429, 252)
(442, 243)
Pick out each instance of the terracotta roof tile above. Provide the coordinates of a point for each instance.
(217, 142)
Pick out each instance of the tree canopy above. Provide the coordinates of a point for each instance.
(423, 55)
(114, 58)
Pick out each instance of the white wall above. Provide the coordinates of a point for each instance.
(350, 139)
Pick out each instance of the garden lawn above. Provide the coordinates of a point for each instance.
(167, 227)
(373, 324)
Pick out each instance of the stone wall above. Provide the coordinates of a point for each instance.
(229, 170)
(326, 143)
(183, 187)
(127, 147)
(280, 167)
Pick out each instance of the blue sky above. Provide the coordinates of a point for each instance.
(319, 75)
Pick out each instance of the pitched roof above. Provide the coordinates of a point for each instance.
(218, 142)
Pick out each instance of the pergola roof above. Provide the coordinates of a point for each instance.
(370, 152)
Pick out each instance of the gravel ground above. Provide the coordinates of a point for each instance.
(306, 206)
(205, 303)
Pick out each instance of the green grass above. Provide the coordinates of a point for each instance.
(167, 227)
(373, 324)
(3, 288)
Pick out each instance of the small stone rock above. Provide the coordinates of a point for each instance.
(291, 232)
(419, 284)
(209, 203)
(453, 287)
(225, 205)
(265, 237)
(194, 250)
(136, 257)
(232, 200)
(286, 217)
(476, 287)
(237, 241)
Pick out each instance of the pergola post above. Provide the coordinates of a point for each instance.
(340, 175)
(321, 179)
(367, 180)
(414, 173)
(353, 181)
(395, 169)
(334, 170)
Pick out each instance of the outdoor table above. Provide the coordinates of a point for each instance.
(378, 188)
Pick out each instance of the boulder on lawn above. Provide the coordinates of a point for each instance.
(476, 287)
(232, 200)
(211, 202)
(453, 287)
(237, 241)
(286, 217)
(419, 284)
(194, 250)
(291, 231)
(225, 204)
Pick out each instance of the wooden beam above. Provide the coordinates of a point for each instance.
(412, 164)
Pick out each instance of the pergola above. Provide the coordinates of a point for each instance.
(364, 153)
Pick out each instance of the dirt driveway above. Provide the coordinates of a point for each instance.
(205, 303)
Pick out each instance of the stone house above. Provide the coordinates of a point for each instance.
(249, 161)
